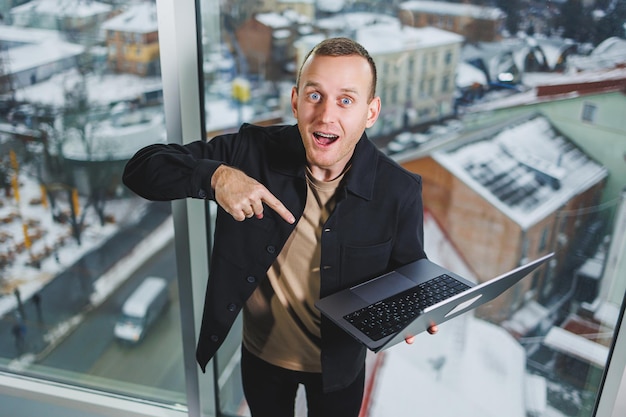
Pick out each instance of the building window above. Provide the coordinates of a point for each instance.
(543, 243)
(445, 84)
(589, 112)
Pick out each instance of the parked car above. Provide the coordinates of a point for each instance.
(401, 142)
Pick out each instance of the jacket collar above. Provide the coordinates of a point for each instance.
(288, 157)
(360, 178)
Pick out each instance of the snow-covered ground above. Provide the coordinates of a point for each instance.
(20, 273)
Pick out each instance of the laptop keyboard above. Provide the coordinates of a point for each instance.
(392, 314)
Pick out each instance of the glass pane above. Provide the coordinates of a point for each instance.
(75, 245)
(502, 192)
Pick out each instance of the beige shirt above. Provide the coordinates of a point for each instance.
(281, 323)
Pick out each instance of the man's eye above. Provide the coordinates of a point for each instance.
(314, 96)
(346, 101)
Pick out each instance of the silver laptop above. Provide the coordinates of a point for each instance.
(385, 310)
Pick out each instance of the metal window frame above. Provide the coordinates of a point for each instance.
(180, 59)
(180, 55)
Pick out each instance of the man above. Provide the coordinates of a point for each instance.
(304, 211)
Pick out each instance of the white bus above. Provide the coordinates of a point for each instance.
(141, 309)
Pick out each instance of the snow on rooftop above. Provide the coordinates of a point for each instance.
(16, 34)
(281, 20)
(526, 170)
(108, 141)
(273, 20)
(468, 75)
(455, 9)
(353, 21)
(608, 54)
(101, 89)
(526, 318)
(582, 77)
(32, 48)
(332, 6)
(384, 38)
(46, 52)
(138, 18)
(64, 8)
(381, 34)
(572, 344)
(537, 80)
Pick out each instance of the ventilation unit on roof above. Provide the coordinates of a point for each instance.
(546, 172)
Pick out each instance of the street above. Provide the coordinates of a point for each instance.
(90, 349)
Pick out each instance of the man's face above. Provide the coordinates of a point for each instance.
(333, 109)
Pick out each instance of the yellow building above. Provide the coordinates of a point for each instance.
(133, 41)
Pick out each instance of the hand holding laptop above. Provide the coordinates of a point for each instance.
(431, 330)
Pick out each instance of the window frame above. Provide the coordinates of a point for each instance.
(182, 83)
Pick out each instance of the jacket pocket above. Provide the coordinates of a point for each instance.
(360, 263)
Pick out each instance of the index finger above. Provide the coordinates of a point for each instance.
(276, 205)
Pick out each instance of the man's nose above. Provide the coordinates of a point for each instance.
(327, 110)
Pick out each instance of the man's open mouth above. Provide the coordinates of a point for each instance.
(325, 138)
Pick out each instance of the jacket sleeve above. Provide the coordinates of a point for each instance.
(164, 172)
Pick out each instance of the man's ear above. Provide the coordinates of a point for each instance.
(294, 101)
(373, 111)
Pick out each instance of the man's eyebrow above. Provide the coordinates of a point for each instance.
(314, 84)
(311, 84)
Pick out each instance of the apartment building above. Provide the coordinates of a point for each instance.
(475, 23)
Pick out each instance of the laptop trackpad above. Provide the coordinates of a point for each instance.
(383, 287)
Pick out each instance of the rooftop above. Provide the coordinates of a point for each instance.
(527, 170)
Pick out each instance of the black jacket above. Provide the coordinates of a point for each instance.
(377, 225)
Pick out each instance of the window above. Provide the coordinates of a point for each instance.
(543, 242)
(71, 233)
(72, 238)
(589, 112)
(445, 85)
(527, 339)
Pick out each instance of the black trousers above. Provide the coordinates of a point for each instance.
(271, 391)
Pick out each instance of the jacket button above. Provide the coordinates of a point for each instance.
(231, 307)
(327, 230)
(271, 249)
(251, 279)
(327, 267)
(202, 194)
(214, 338)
